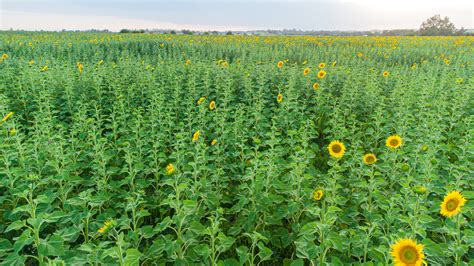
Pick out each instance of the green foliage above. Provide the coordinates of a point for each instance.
(99, 117)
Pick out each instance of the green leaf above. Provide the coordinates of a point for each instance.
(156, 248)
(197, 227)
(309, 229)
(23, 240)
(147, 231)
(225, 242)
(203, 250)
(5, 246)
(243, 253)
(228, 262)
(13, 259)
(54, 246)
(54, 216)
(263, 252)
(189, 206)
(334, 240)
(16, 225)
(132, 257)
(163, 225)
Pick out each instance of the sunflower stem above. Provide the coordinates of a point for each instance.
(458, 238)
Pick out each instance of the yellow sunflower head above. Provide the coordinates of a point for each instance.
(188, 62)
(321, 74)
(214, 142)
(419, 189)
(359, 54)
(322, 65)
(336, 149)
(369, 158)
(196, 135)
(452, 204)
(447, 62)
(212, 105)
(279, 98)
(5, 118)
(201, 100)
(386, 74)
(315, 86)
(394, 141)
(169, 169)
(407, 252)
(318, 194)
(280, 64)
(4, 56)
(306, 71)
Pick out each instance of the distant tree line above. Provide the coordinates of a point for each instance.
(433, 26)
(131, 31)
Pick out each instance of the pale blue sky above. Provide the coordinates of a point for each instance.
(229, 14)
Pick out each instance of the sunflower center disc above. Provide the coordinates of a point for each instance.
(408, 255)
(452, 204)
(336, 148)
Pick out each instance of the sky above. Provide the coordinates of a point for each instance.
(224, 15)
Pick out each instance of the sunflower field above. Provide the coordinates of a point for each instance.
(148, 149)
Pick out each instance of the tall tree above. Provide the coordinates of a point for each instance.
(437, 26)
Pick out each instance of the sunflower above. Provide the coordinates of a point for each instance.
(80, 67)
(31, 62)
(452, 204)
(447, 62)
(420, 189)
(196, 135)
(212, 105)
(306, 71)
(104, 228)
(214, 142)
(336, 149)
(279, 98)
(169, 169)
(386, 74)
(369, 158)
(4, 56)
(200, 100)
(318, 194)
(5, 118)
(322, 65)
(280, 64)
(315, 86)
(321, 74)
(407, 252)
(188, 62)
(45, 68)
(394, 141)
